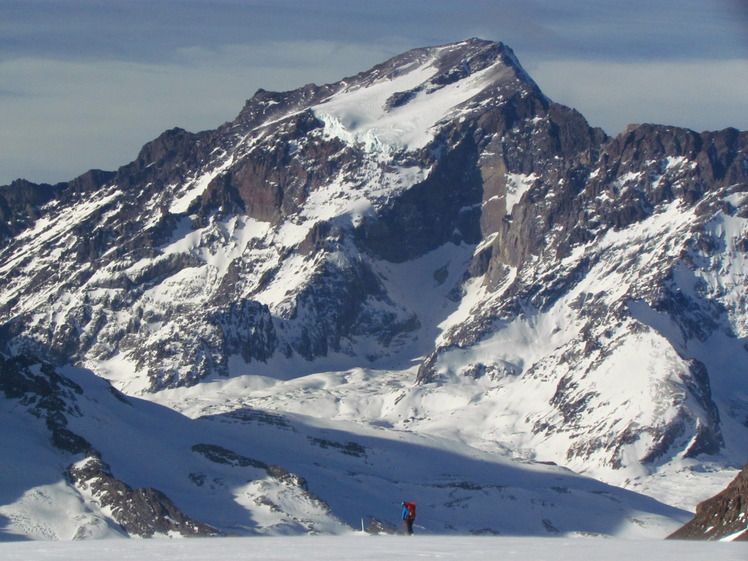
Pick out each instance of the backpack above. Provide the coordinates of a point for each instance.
(411, 510)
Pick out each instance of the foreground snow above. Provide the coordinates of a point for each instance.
(371, 548)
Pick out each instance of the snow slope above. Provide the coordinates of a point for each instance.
(331, 474)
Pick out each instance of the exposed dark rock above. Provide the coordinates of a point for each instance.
(48, 396)
(427, 368)
(322, 236)
(249, 415)
(141, 512)
(90, 181)
(272, 181)
(725, 514)
(348, 448)
(247, 328)
(398, 99)
(20, 205)
(53, 397)
(377, 527)
(441, 209)
(220, 455)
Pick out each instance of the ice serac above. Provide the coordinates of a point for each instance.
(588, 292)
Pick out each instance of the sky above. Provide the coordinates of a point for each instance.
(85, 83)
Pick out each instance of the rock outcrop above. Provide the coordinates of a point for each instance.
(724, 516)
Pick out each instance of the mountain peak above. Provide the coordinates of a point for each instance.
(451, 62)
(430, 81)
(397, 104)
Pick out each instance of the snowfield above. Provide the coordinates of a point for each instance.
(375, 548)
(207, 459)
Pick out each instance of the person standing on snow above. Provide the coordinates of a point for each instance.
(409, 515)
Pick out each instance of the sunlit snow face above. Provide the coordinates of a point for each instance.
(362, 116)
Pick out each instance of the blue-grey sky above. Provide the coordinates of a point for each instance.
(85, 83)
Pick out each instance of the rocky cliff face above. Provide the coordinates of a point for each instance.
(724, 516)
(437, 206)
(626, 257)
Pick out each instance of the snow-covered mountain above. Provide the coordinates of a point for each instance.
(124, 466)
(431, 249)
